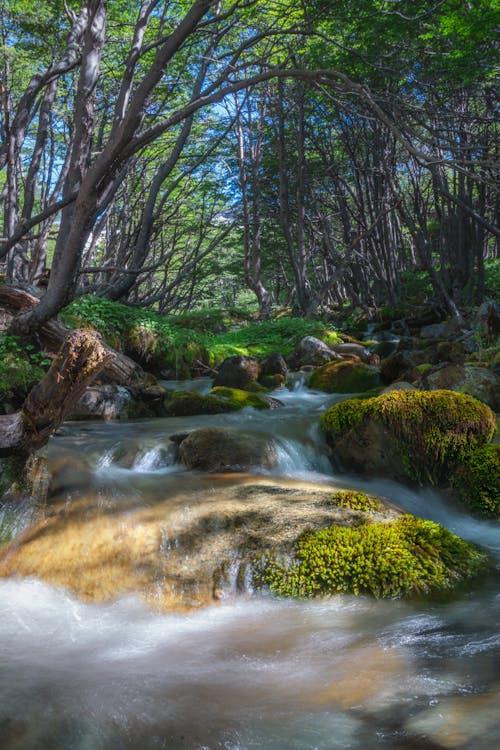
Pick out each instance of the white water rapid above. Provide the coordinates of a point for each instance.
(253, 673)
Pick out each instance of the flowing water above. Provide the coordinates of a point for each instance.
(252, 672)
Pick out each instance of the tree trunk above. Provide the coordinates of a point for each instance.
(79, 360)
(117, 368)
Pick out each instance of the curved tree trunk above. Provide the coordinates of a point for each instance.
(79, 360)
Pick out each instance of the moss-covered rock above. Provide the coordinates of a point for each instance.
(345, 377)
(239, 398)
(404, 557)
(187, 403)
(355, 500)
(477, 480)
(423, 435)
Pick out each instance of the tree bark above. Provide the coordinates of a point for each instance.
(79, 360)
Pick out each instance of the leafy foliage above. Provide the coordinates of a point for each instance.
(20, 366)
(177, 340)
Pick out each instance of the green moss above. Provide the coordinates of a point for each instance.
(477, 480)
(435, 430)
(424, 367)
(355, 500)
(238, 398)
(345, 377)
(178, 341)
(407, 556)
(186, 403)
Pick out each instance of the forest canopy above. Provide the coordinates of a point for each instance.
(303, 155)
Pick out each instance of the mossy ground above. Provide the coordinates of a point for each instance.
(435, 430)
(181, 342)
(404, 557)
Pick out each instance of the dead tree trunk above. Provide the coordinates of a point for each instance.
(79, 360)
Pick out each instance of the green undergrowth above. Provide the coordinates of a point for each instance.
(435, 430)
(404, 557)
(181, 342)
(21, 366)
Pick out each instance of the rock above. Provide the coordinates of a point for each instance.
(401, 366)
(476, 381)
(345, 377)
(239, 399)
(385, 348)
(187, 403)
(103, 402)
(274, 364)
(459, 721)
(356, 350)
(311, 351)
(238, 372)
(400, 385)
(421, 435)
(218, 449)
(208, 542)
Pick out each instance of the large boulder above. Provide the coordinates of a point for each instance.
(221, 539)
(345, 377)
(217, 449)
(311, 351)
(476, 381)
(238, 372)
(421, 435)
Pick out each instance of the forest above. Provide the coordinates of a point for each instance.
(283, 155)
(249, 374)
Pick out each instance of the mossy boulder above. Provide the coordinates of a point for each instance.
(345, 377)
(421, 435)
(403, 557)
(187, 403)
(477, 481)
(238, 398)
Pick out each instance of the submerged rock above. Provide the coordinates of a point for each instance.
(217, 540)
(220, 449)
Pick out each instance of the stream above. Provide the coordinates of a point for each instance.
(252, 672)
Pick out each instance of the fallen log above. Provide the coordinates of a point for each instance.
(118, 368)
(81, 357)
